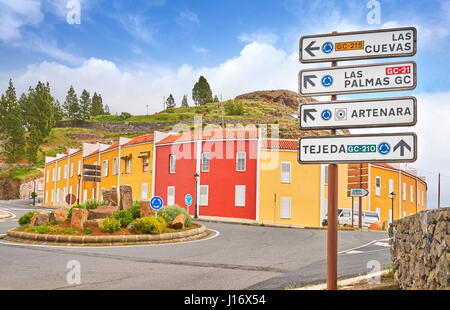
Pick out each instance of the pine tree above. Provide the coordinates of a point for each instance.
(97, 105)
(170, 102)
(107, 110)
(71, 107)
(216, 99)
(85, 105)
(184, 102)
(201, 93)
(59, 112)
(12, 129)
(39, 114)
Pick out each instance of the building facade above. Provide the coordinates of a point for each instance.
(233, 174)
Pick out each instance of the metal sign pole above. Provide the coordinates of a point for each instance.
(332, 217)
(360, 198)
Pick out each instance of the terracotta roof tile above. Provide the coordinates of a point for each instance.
(212, 134)
(280, 144)
(141, 139)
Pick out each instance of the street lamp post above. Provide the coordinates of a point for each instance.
(196, 176)
(79, 193)
(34, 192)
(392, 196)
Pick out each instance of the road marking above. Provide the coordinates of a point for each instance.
(364, 245)
(7, 219)
(217, 233)
(385, 244)
(354, 252)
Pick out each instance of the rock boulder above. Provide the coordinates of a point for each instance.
(79, 218)
(59, 215)
(126, 197)
(179, 221)
(102, 212)
(39, 219)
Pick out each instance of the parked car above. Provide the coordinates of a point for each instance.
(345, 218)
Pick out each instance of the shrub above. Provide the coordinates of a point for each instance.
(234, 108)
(93, 204)
(124, 116)
(111, 225)
(125, 217)
(88, 231)
(26, 218)
(43, 229)
(149, 225)
(135, 209)
(169, 213)
(69, 216)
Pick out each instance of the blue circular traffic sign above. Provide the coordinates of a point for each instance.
(156, 203)
(326, 115)
(327, 47)
(327, 80)
(384, 148)
(188, 200)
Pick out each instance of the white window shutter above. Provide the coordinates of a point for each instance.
(285, 207)
(239, 198)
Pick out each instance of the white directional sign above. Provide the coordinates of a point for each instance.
(384, 43)
(399, 147)
(358, 192)
(358, 79)
(359, 113)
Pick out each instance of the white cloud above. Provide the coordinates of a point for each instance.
(138, 27)
(14, 15)
(259, 66)
(259, 36)
(187, 18)
(200, 50)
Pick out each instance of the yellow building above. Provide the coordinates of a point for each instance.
(295, 194)
(289, 193)
(128, 162)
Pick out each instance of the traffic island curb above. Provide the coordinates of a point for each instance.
(72, 240)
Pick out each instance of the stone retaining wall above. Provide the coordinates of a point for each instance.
(420, 250)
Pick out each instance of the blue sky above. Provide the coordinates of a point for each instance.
(136, 52)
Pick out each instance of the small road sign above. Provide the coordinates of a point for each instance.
(156, 203)
(386, 112)
(370, 148)
(188, 200)
(382, 43)
(358, 192)
(70, 199)
(358, 79)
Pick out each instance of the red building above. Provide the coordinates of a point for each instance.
(226, 162)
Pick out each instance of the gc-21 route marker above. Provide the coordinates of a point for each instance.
(370, 78)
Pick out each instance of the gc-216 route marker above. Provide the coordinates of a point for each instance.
(386, 112)
(382, 43)
(370, 148)
(379, 77)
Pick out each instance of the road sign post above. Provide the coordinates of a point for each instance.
(359, 149)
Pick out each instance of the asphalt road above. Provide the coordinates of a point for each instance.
(234, 257)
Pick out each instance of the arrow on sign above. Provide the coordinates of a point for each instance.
(402, 145)
(310, 48)
(308, 79)
(307, 113)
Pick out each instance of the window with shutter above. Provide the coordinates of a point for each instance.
(170, 195)
(285, 172)
(285, 207)
(144, 191)
(172, 163)
(204, 193)
(239, 198)
(240, 161)
(377, 186)
(205, 161)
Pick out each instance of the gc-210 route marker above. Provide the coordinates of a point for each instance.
(386, 112)
(382, 43)
(390, 148)
(379, 77)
